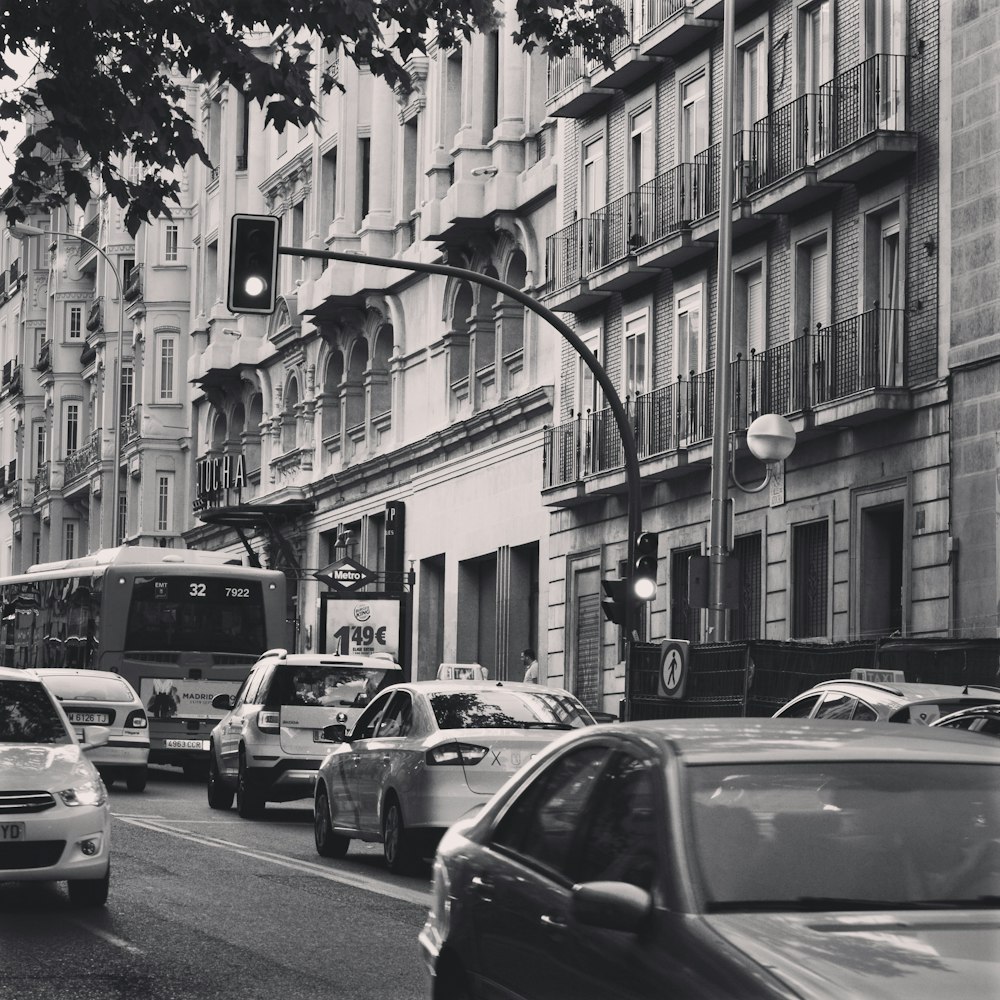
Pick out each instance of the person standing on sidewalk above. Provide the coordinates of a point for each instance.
(530, 665)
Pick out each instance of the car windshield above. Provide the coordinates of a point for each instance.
(499, 709)
(74, 687)
(843, 835)
(27, 715)
(324, 685)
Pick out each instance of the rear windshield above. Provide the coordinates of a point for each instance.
(925, 712)
(73, 687)
(200, 613)
(323, 685)
(498, 709)
(27, 715)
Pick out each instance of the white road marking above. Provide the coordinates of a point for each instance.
(365, 882)
(135, 816)
(110, 938)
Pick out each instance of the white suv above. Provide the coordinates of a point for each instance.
(269, 746)
(55, 821)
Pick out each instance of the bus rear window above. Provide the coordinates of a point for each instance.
(196, 613)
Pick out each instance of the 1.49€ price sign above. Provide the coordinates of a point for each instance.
(360, 627)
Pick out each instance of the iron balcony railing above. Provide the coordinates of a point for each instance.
(868, 98)
(659, 419)
(42, 477)
(668, 203)
(788, 140)
(624, 40)
(44, 356)
(564, 71)
(133, 287)
(90, 230)
(857, 354)
(657, 12)
(132, 424)
(83, 458)
(561, 454)
(94, 316)
(573, 252)
(615, 232)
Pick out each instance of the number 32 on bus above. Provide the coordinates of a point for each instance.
(181, 627)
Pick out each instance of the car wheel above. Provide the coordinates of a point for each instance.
(396, 841)
(249, 801)
(89, 892)
(135, 781)
(328, 843)
(219, 796)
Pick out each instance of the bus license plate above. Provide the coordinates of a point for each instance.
(89, 718)
(10, 832)
(187, 744)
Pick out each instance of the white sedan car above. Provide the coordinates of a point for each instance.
(55, 821)
(426, 753)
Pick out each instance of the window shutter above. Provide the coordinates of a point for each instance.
(819, 302)
(755, 314)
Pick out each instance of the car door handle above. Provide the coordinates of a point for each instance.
(553, 922)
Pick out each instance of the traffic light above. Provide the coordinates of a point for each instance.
(253, 263)
(617, 593)
(644, 569)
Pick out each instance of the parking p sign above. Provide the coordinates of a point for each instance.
(673, 667)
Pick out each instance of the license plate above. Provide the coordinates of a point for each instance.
(89, 718)
(187, 744)
(10, 832)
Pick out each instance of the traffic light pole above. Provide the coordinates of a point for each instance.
(631, 454)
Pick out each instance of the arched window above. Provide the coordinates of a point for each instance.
(289, 418)
(220, 429)
(380, 387)
(510, 327)
(251, 436)
(330, 400)
(457, 339)
(355, 415)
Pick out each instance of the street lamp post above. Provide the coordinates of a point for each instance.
(24, 231)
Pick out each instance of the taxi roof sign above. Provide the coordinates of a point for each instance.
(874, 676)
(461, 672)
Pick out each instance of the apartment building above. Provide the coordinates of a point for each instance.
(835, 320)
(82, 297)
(377, 393)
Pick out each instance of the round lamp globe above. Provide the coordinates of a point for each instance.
(771, 438)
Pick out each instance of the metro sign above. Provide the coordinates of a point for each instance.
(346, 574)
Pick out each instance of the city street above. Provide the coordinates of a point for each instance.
(204, 904)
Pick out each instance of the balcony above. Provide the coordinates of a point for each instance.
(849, 373)
(866, 110)
(569, 256)
(669, 204)
(615, 234)
(570, 94)
(132, 425)
(844, 375)
(630, 63)
(42, 479)
(83, 459)
(133, 287)
(670, 26)
(44, 363)
(10, 381)
(94, 319)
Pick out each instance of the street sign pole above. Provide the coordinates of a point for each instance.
(631, 455)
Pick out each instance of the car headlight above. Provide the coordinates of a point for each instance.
(90, 793)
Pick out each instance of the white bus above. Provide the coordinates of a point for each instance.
(181, 626)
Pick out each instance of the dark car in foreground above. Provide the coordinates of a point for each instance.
(747, 858)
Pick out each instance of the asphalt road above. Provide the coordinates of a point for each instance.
(204, 904)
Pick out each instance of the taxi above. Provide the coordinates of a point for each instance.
(748, 858)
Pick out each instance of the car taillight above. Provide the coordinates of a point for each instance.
(456, 753)
(267, 722)
(136, 720)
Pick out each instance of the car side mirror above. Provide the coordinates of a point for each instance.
(94, 737)
(223, 701)
(614, 906)
(337, 733)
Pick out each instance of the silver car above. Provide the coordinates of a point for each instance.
(427, 753)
